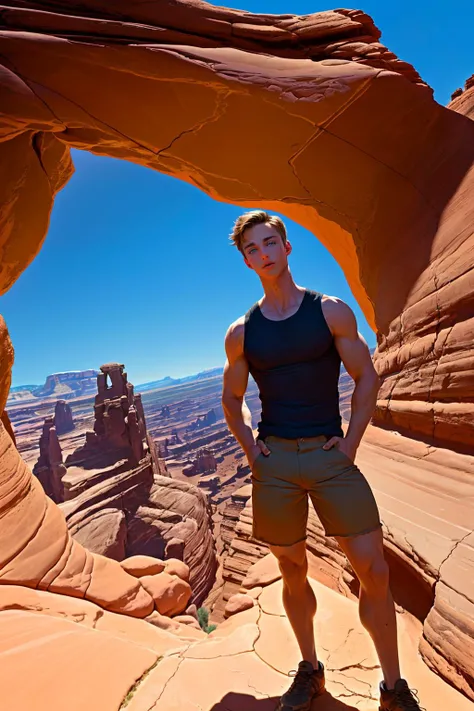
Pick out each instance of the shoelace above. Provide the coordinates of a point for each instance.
(302, 680)
(409, 698)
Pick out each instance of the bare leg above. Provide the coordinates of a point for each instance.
(376, 606)
(298, 597)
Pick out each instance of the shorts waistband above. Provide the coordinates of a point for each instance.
(296, 442)
(317, 438)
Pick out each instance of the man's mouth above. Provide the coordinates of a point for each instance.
(270, 264)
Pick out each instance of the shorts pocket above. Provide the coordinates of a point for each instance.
(339, 456)
(257, 458)
(258, 467)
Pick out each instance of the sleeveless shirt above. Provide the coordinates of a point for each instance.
(296, 367)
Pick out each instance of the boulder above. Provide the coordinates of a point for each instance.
(170, 593)
(238, 603)
(142, 565)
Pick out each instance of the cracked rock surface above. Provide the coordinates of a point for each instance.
(358, 152)
(242, 666)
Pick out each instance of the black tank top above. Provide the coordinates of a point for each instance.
(296, 367)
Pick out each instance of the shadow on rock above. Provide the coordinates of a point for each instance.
(244, 702)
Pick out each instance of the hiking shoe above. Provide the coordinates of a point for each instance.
(308, 683)
(401, 698)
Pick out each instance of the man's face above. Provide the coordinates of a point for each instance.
(264, 251)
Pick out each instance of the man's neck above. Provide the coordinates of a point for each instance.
(281, 294)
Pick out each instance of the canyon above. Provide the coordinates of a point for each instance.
(361, 155)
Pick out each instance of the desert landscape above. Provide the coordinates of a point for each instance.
(129, 577)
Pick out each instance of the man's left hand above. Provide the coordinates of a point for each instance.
(343, 444)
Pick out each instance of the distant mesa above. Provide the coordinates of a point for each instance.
(168, 381)
(75, 383)
(68, 385)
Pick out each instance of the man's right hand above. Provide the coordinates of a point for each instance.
(257, 449)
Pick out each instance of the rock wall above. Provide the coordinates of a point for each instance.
(119, 498)
(342, 108)
(359, 153)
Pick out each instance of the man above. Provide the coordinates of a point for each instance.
(292, 342)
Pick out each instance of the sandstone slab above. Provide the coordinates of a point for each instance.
(40, 648)
(141, 565)
(238, 603)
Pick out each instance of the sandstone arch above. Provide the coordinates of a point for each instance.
(310, 116)
(358, 152)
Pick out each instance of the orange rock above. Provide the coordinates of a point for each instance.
(170, 593)
(37, 551)
(36, 655)
(263, 572)
(238, 603)
(6, 363)
(178, 568)
(185, 632)
(188, 620)
(192, 610)
(8, 425)
(82, 612)
(359, 153)
(140, 565)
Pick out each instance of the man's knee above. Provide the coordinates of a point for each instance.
(293, 563)
(374, 575)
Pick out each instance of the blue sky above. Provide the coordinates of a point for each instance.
(137, 267)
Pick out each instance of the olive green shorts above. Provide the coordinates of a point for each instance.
(282, 480)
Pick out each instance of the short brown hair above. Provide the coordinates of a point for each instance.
(252, 218)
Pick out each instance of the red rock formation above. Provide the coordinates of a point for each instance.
(118, 503)
(333, 73)
(463, 99)
(37, 551)
(119, 417)
(50, 468)
(204, 462)
(359, 153)
(69, 384)
(63, 421)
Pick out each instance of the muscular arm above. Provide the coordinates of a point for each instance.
(356, 358)
(236, 374)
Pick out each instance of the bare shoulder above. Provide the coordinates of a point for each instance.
(234, 338)
(339, 316)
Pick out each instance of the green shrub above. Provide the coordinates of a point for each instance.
(203, 619)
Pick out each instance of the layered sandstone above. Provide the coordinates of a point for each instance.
(119, 500)
(341, 107)
(242, 665)
(358, 152)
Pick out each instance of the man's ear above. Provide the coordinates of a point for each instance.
(288, 248)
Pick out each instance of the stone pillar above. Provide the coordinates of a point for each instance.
(49, 468)
(63, 417)
(134, 434)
